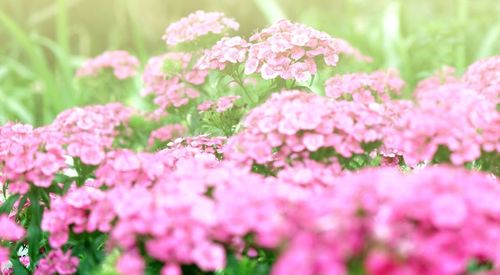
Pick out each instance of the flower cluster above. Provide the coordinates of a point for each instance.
(171, 81)
(288, 191)
(228, 50)
(446, 75)
(483, 76)
(288, 50)
(451, 116)
(196, 25)
(122, 63)
(299, 123)
(90, 130)
(70, 212)
(29, 155)
(412, 224)
(363, 87)
(58, 262)
(223, 104)
(166, 133)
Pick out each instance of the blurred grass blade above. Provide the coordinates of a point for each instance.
(14, 106)
(271, 10)
(488, 44)
(391, 33)
(38, 62)
(62, 24)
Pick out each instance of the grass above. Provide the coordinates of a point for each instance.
(44, 43)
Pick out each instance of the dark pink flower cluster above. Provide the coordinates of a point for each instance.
(167, 133)
(228, 50)
(171, 88)
(223, 104)
(126, 168)
(433, 222)
(196, 25)
(365, 87)
(452, 116)
(90, 131)
(29, 156)
(121, 63)
(173, 218)
(288, 50)
(483, 76)
(58, 262)
(298, 123)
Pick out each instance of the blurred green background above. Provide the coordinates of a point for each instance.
(42, 42)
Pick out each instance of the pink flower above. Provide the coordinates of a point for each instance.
(288, 50)
(121, 62)
(448, 211)
(228, 50)
(209, 256)
(170, 88)
(170, 269)
(59, 262)
(205, 106)
(4, 255)
(196, 25)
(225, 103)
(130, 263)
(365, 88)
(9, 230)
(313, 141)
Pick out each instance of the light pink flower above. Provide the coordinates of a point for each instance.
(196, 25)
(121, 63)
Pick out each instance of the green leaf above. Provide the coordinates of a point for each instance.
(8, 204)
(34, 230)
(18, 267)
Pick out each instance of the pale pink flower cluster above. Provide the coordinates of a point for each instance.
(445, 75)
(298, 123)
(198, 145)
(223, 104)
(196, 25)
(288, 50)
(90, 131)
(58, 262)
(452, 116)
(347, 49)
(29, 156)
(70, 212)
(9, 230)
(171, 90)
(121, 63)
(166, 133)
(484, 77)
(365, 87)
(228, 50)
(433, 222)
